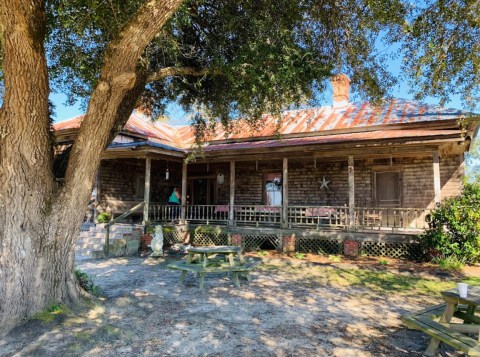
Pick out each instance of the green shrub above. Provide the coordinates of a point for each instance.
(454, 227)
(86, 282)
(383, 262)
(451, 263)
(104, 217)
(299, 255)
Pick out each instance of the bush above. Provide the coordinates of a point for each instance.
(454, 227)
(86, 282)
(103, 217)
(451, 263)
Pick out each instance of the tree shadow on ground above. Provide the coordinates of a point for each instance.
(284, 311)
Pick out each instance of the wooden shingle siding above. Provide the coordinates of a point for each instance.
(118, 180)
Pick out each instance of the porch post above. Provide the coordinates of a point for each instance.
(285, 193)
(97, 195)
(184, 191)
(231, 215)
(351, 191)
(146, 194)
(436, 177)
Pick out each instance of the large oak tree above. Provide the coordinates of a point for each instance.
(225, 58)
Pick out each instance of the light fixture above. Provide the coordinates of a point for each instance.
(220, 178)
(167, 174)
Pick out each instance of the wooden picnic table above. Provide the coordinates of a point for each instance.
(204, 252)
(202, 260)
(471, 323)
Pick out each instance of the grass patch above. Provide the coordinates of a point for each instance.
(450, 263)
(49, 314)
(335, 258)
(380, 282)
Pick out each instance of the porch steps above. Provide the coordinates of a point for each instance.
(91, 240)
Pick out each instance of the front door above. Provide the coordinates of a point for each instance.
(202, 191)
(387, 189)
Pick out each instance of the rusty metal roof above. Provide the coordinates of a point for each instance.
(314, 120)
(335, 138)
(137, 124)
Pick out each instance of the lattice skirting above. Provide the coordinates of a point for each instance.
(171, 238)
(202, 238)
(392, 250)
(319, 246)
(256, 241)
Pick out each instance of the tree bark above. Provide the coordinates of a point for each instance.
(38, 223)
(35, 269)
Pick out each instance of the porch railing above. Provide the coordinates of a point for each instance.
(382, 218)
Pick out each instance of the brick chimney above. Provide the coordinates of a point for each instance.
(341, 90)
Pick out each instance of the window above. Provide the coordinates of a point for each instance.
(387, 189)
(273, 189)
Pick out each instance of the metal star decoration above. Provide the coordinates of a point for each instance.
(324, 183)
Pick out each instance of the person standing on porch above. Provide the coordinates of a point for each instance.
(174, 198)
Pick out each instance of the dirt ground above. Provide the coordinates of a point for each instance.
(286, 310)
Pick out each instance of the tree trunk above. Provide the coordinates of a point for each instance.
(35, 268)
(38, 223)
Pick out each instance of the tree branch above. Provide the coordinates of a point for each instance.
(180, 71)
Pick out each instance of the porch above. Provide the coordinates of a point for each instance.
(387, 219)
(389, 191)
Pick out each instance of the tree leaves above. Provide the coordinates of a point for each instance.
(443, 50)
(265, 55)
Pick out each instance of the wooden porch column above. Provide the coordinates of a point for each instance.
(231, 215)
(146, 192)
(351, 191)
(436, 177)
(285, 193)
(184, 191)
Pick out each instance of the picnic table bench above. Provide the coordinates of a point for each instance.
(208, 261)
(443, 330)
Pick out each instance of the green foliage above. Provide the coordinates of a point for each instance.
(454, 228)
(262, 253)
(299, 255)
(151, 229)
(442, 49)
(262, 56)
(335, 258)
(208, 229)
(449, 263)
(48, 315)
(104, 217)
(86, 282)
(383, 262)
